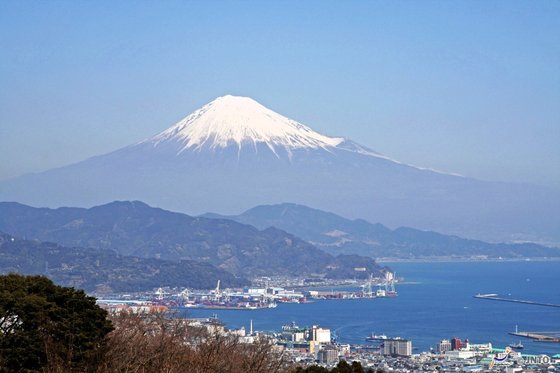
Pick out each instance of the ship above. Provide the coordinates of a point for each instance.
(376, 338)
(516, 346)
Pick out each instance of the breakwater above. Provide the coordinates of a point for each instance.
(495, 297)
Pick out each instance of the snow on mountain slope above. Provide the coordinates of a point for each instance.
(234, 153)
(241, 121)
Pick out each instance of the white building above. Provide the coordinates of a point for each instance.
(443, 346)
(481, 347)
(459, 355)
(320, 335)
(255, 291)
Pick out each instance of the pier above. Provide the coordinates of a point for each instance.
(551, 337)
(501, 299)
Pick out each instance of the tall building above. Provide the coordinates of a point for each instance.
(327, 355)
(444, 345)
(321, 335)
(397, 347)
(456, 343)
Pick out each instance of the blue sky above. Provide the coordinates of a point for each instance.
(470, 87)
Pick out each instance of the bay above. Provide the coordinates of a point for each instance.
(437, 304)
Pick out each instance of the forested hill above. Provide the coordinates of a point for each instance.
(101, 269)
(134, 228)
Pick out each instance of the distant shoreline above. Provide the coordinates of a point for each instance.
(463, 260)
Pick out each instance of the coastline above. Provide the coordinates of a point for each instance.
(463, 260)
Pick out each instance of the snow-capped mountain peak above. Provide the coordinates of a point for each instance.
(233, 120)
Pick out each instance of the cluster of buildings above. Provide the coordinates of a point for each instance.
(130, 306)
(317, 345)
(265, 294)
(307, 340)
(456, 344)
(248, 298)
(462, 350)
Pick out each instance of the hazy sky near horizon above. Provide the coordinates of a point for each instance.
(471, 87)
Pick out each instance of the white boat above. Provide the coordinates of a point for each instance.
(375, 337)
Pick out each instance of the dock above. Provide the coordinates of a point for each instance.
(511, 300)
(551, 337)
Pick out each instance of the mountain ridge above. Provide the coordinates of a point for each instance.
(336, 234)
(136, 229)
(346, 178)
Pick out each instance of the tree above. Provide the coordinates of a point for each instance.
(158, 342)
(48, 327)
(311, 369)
(357, 367)
(341, 367)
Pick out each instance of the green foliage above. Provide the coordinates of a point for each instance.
(90, 268)
(44, 326)
(136, 229)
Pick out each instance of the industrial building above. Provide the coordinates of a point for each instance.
(327, 355)
(397, 347)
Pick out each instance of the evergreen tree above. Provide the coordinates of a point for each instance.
(47, 327)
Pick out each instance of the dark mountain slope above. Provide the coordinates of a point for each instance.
(134, 228)
(95, 269)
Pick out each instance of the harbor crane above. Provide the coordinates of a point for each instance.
(217, 292)
(367, 288)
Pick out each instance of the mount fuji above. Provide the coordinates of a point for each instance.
(234, 153)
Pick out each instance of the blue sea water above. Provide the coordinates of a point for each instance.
(438, 305)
